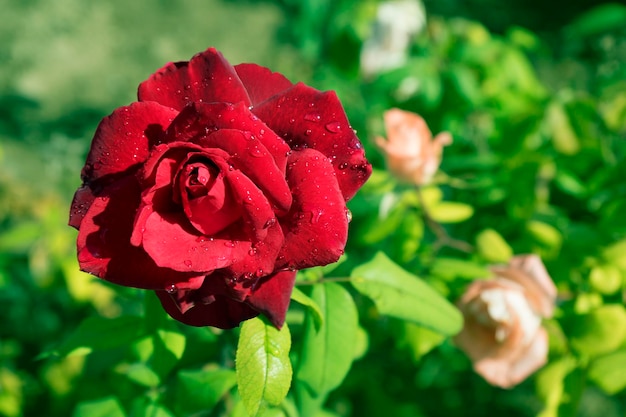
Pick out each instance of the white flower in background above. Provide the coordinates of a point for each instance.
(396, 22)
(503, 335)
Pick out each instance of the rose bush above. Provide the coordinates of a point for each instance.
(411, 152)
(215, 187)
(503, 335)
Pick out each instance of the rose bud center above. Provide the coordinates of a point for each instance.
(205, 197)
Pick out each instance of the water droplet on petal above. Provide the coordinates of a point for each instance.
(252, 252)
(333, 127)
(308, 132)
(316, 214)
(187, 263)
(348, 214)
(312, 117)
(229, 244)
(256, 152)
(171, 289)
(271, 222)
(343, 165)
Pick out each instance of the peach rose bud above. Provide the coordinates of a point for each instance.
(503, 335)
(411, 152)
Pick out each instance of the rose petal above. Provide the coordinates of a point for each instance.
(123, 139)
(250, 156)
(83, 198)
(159, 173)
(207, 306)
(207, 77)
(173, 243)
(509, 371)
(104, 247)
(254, 261)
(260, 82)
(272, 296)
(322, 125)
(316, 227)
(256, 210)
(199, 119)
(215, 211)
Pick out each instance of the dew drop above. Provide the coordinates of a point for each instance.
(348, 214)
(308, 132)
(333, 127)
(171, 289)
(316, 214)
(188, 263)
(271, 222)
(312, 117)
(255, 152)
(343, 165)
(252, 252)
(292, 120)
(229, 244)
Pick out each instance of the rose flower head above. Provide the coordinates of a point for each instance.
(215, 187)
(503, 335)
(411, 152)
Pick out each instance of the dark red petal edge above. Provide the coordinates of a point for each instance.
(104, 247)
(207, 77)
(308, 118)
(272, 296)
(316, 228)
(260, 82)
(123, 139)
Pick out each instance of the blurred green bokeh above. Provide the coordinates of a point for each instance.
(538, 113)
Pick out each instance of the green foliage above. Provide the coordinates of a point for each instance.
(538, 117)
(327, 352)
(263, 365)
(400, 294)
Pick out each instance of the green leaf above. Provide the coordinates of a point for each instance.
(105, 407)
(492, 247)
(599, 332)
(140, 373)
(262, 364)
(398, 293)
(451, 212)
(418, 339)
(560, 129)
(451, 268)
(199, 390)
(606, 279)
(327, 354)
(168, 349)
(313, 308)
(146, 407)
(608, 372)
(96, 333)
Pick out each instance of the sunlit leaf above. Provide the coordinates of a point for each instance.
(600, 331)
(492, 247)
(105, 407)
(398, 293)
(262, 364)
(327, 354)
(608, 372)
(305, 300)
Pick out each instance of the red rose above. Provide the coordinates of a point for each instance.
(215, 187)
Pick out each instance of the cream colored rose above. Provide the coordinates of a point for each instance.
(503, 335)
(411, 152)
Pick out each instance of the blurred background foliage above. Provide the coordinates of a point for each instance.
(534, 94)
